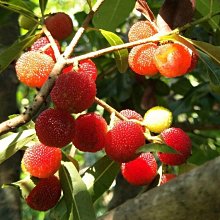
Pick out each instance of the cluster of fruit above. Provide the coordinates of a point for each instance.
(169, 59)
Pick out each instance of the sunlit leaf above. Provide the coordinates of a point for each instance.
(14, 142)
(121, 56)
(77, 198)
(101, 174)
(43, 4)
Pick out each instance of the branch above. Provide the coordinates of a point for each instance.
(193, 195)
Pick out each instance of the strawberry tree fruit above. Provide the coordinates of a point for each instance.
(45, 194)
(166, 177)
(55, 127)
(172, 59)
(177, 139)
(43, 45)
(33, 68)
(42, 161)
(90, 132)
(60, 25)
(74, 92)
(123, 140)
(140, 171)
(140, 59)
(157, 119)
(87, 66)
(141, 30)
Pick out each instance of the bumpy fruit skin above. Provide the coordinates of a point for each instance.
(33, 68)
(45, 194)
(172, 59)
(90, 132)
(177, 139)
(166, 177)
(157, 119)
(60, 25)
(141, 30)
(123, 140)
(42, 161)
(140, 171)
(43, 45)
(74, 92)
(87, 66)
(55, 127)
(140, 59)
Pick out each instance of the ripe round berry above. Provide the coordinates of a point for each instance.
(177, 139)
(172, 59)
(43, 45)
(141, 30)
(54, 127)
(60, 25)
(74, 92)
(140, 171)
(45, 194)
(140, 59)
(87, 66)
(33, 68)
(166, 177)
(158, 119)
(90, 132)
(123, 140)
(42, 161)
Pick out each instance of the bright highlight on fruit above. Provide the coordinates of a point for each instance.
(54, 127)
(33, 68)
(158, 119)
(140, 171)
(123, 140)
(45, 194)
(42, 161)
(177, 139)
(90, 132)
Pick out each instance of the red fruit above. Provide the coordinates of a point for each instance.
(140, 59)
(54, 127)
(42, 161)
(177, 139)
(74, 92)
(33, 68)
(172, 59)
(90, 132)
(141, 30)
(60, 25)
(194, 61)
(43, 45)
(140, 171)
(166, 178)
(123, 140)
(45, 194)
(87, 66)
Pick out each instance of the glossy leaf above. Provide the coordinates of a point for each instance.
(121, 56)
(156, 148)
(43, 4)
(102, 174)
(14, 142)
(77, 198)
(59, 212)
(12, 52)
(112, 13)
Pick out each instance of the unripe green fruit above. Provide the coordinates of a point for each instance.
(25, 22)
(158, 119)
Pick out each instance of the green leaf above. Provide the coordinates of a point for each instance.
(102, 173)
(59, 212)
(14, 142)
(121, 56)
(77, 198)
(112, 13)
(12, 52)
(18, 6)
(162, 148)
(214, 69)
(43, 4)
